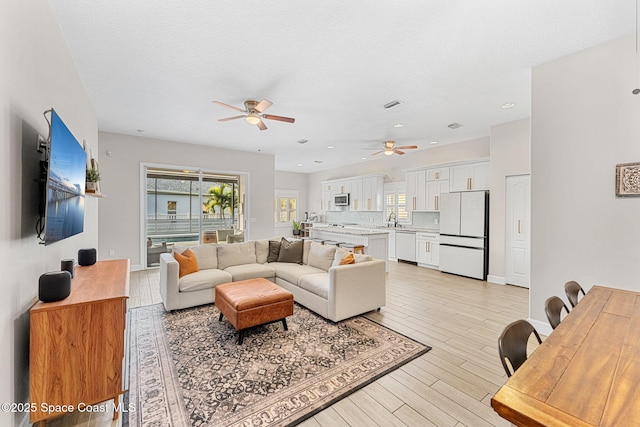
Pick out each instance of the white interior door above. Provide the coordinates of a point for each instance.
(518, 230)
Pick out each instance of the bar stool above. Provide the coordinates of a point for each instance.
(332, 243)
(318, 240)
(352, 247)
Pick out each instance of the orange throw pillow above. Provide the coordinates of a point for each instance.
(187, 261)
(349, 259)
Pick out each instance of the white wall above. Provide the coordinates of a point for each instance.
(510, 155)
(393, 166)
(37, 73)
(120, 211)
(584, 121)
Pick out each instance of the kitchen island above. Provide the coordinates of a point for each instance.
(375, 241)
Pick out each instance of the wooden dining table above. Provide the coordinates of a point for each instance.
(586, 373)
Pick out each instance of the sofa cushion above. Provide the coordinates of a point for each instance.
(274, 251)
(187, 261)
(206, 255)
(236, 254)
(362, 258)
(262, 251)
(203, 279)
(316, 283)
(251, 271)
(339, 256)
(321, 256)
(305, 251)
(292, 273)
(290, 251)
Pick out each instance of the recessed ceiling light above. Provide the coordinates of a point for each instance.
(508, 105)
(392, 104)
(303, 141)
(330, 147)
(299, 164)
(433, 142)
(398, 125)
(363, 158)
(454, 126)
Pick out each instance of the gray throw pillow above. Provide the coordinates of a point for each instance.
(291, 251)
(274, 251)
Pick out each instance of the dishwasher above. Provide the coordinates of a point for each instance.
(406, 245)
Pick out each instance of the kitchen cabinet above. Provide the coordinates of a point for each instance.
(427, 249)
(372, 189)
(469, 177)
(365, 193)
(416, 190)
(438, 174)
(406, 245)
(434, 190)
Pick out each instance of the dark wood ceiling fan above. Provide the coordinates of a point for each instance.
(254, 113)
(390, 148)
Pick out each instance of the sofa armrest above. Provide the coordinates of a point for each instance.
(356, 288)
(169, 286)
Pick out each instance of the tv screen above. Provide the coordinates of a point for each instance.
(66, 175)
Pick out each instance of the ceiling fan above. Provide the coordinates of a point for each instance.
(391, 148)
(254, 113)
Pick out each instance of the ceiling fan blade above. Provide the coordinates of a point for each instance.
(228, 106)
(398, 151)
(263, 105)
(226, 119)
(279, 118)
(407, 147)
(378, 152)
(261, 125)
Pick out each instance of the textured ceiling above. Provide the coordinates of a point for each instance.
(155, 66)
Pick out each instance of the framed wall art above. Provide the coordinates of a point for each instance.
(628, 179)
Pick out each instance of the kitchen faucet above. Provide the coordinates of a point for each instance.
(395, 219)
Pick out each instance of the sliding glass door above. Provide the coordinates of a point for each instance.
(191, 207)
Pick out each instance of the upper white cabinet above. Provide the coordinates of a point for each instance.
(438, 174)
(416, 190)
(434, 190)
(365, 193)
(469, 177)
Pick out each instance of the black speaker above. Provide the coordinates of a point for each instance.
(67, 265)
(87, 256)
(54, 286)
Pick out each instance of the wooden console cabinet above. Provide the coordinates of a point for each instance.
(78, 345)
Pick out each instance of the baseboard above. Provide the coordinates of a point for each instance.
(543, 328)
(498, 280)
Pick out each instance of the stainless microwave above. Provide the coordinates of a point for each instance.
(341, 199)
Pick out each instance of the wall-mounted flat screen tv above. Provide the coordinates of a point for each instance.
(66, 176)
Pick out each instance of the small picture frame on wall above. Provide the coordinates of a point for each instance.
(628, 179)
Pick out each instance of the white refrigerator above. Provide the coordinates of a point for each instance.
(464, 233)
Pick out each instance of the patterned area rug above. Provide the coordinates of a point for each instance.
(187, 369)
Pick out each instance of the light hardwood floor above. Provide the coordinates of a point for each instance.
(451, 385)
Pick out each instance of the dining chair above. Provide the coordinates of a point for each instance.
(553, 306)
(513, 342)
(573, 289)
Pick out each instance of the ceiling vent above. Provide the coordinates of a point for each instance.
(303, 141)
(454, 126)
(392, 104)
(317, 161)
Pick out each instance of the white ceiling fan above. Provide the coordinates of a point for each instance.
(390, 148)
(254, 113)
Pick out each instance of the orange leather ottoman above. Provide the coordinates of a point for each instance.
(253, 302)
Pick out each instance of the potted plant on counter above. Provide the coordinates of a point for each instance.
(93, 177)
(296, 228)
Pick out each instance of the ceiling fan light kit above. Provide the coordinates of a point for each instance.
(254, 113)
(391, 148)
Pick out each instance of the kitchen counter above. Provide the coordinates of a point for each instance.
(375, 242)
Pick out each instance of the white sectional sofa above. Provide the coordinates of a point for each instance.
(334, 291)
